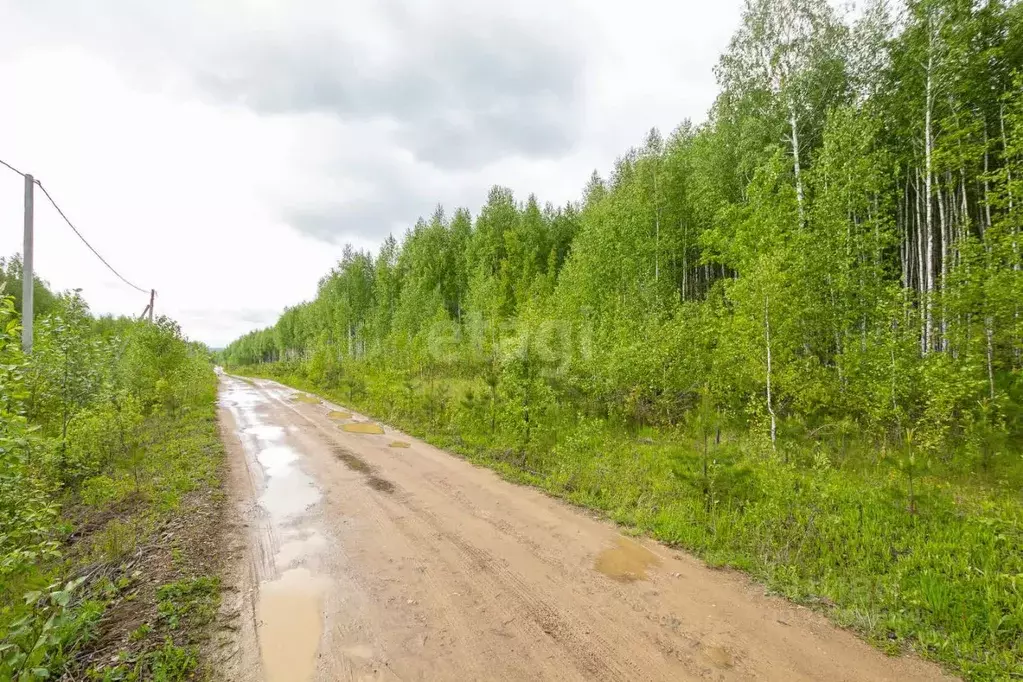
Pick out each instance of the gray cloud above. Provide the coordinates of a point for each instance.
(419, 94)
(406, 191)
(220, 326)
(356, 220)
(226, 317)
(462, 83)
(457, 99)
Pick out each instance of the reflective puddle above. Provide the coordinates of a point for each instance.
(398, 444)
(289, 605)
(301, 547)
(337, 414)
(286, 497)
(626, 561)
(266, 432)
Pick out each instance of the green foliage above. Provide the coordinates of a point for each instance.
(195, 600)
(104, 428)
(169, 663)
(28, 512)
(43, 641)
(831, 262)
(183, 606)
(43, 300)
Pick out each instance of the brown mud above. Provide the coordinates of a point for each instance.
(626, 561)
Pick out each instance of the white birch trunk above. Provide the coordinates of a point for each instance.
(943, 250)
(921, 274)
(685, 260)
(928, 203)
(986, 225)
(1008, 186)
(989, 333)
(795, 162)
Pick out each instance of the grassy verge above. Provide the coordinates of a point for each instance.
(933, 567)
(134, 584)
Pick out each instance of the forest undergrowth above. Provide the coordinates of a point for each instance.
(108, 444)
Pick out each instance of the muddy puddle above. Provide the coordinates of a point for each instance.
(289, 611)
(288, 491)
(299, 547)
(339, 415)
(397, 444)
(289, 602)
(265, 432)
(305, 398)
(627, 561)
(362, 427)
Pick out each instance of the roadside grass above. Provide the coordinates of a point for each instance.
(136, 584)
(938, 571)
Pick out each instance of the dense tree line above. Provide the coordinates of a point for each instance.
(840, 241)
(43, 299)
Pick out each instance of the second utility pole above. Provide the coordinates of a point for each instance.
(27, 277)
(152, 299)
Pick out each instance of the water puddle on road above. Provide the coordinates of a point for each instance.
(288, 492)
(305, 398)
(289, 603)
(627, 561)
(286, 497)
(339, 415)
(277, 460)
(267, 432)
(397, 444)
(294, 550)
(362, 427)
(289, 613)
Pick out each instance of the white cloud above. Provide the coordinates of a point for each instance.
(232, 200)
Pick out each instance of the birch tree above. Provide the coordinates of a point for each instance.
(789, 49)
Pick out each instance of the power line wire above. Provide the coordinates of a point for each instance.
(12, 168)
(75, 230)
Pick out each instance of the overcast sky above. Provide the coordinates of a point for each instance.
(223, 152)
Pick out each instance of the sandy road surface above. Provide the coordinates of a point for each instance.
(366, 560)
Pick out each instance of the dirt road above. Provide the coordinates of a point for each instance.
(373, 556)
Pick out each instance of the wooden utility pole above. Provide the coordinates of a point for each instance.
(152, 299)
(27, 277)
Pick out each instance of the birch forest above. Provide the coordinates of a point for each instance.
(788, 338)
